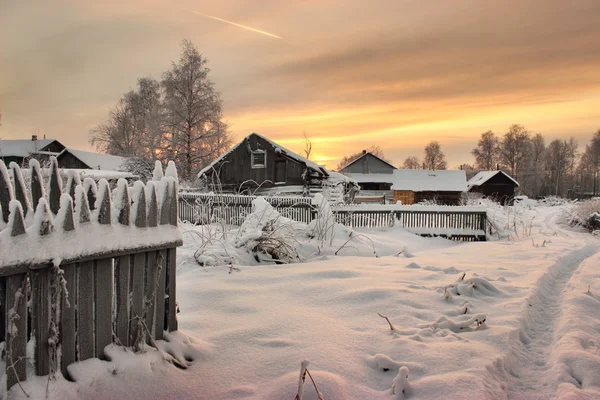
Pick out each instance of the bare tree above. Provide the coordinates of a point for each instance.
(194, 111)
(411, 162)
(515, 148)
(589, 165)
(307, 145)
(486, 152)
(376, 150)
(117, 135)
(434, 157)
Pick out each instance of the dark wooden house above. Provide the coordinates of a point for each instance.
(413, 186)
(20, 151)
(79, 159)
(497, 185)
(259, 163)
(371, 172)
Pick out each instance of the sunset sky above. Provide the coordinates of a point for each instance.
(350, 73)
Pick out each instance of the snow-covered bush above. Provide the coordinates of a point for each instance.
(323, 225)
(266, 233)
(585, 214)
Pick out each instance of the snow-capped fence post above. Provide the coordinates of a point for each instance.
(78, 267)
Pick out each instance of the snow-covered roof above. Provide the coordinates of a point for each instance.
(104, 162)
(376, 178)
(336, 177)
(484, 176)
(364, 155)
(22, 148)
(422, 180)
(278, 148)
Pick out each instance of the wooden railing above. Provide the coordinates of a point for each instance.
(94, 272)
(202, 208)
(453, 222)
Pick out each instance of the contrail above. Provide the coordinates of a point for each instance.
(238, 25)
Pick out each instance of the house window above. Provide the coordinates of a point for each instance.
(259, 159)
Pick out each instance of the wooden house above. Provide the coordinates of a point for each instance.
(79, 159)
(371, 172)
(413, 186)
(259, 165)
(19, 151)
(497, 185)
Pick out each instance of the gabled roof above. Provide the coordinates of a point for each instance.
(368, 178)
(364, 155)
(484, 176)
(104, 162)
(422, 180)
(278, 148)
(22, 147)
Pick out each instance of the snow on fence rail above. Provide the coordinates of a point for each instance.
(454, 222)
(231, 209)
(88, 266)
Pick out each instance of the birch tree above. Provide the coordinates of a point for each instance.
(411, 162)
(486, 152)
(434, 156)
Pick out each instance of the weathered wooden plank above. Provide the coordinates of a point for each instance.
(159, 319)
(165, 201)
(16, 348)
(55, 186)
(85, 310)
(137, 298)
(3, 309)
(139, 205)
(124, 203)
(150, 297)
(104, 206)
(122, 271)
(20, 189)
(6, 192)
(68, 338)
(16, 223)
(37, 183)
(171, 289)
(152, 205)
(91, 190)
(40, 319)
(103, 295)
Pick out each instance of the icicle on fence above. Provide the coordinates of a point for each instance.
(96, 266)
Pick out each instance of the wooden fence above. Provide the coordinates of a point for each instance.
(94, 271)
(202, 208)
(453, 222)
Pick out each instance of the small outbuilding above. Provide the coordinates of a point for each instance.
(413, 186)
(497, 185)
(79, 159)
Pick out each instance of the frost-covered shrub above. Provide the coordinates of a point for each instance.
(585, 214)
(323, 225)
(266, 233)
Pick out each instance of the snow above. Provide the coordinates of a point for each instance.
(418, 180)
(479, 320)
(98, 161)
(22, 148)
(377, 178)
(484, 176)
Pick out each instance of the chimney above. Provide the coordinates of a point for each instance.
(364, 152)
(33, 138)
(498, 167)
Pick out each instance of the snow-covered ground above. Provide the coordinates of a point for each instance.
(514, 318)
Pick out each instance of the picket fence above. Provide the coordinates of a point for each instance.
(202, 208)
(94, 271)
(453, 222)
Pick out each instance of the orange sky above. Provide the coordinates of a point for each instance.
(350, 73)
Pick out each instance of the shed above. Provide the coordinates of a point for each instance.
(497, 185)
(259, 165)
(79, 159)
(371, 172)
(20, 150)
(415, 185)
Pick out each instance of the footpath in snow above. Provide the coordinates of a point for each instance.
(509, 319)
